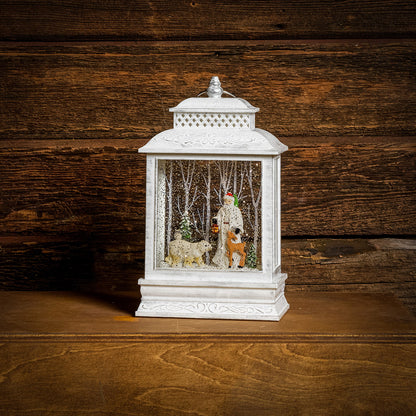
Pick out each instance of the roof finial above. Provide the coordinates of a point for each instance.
(214, 90)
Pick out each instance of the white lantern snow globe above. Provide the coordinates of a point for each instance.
(213, 215)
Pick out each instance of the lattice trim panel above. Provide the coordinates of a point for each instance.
(212, 120)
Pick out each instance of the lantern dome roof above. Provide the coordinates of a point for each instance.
(215, 141)
(214, 125)
(214, 105)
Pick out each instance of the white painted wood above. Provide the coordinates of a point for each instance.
(267, 215)
(150, 213)
(214, 300)
(276, 212)
(196, 105)
(213, 128)
(232, 141)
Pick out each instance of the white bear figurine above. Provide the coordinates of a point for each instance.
(181, 251)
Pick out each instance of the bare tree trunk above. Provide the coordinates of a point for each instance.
(235, 178)
(225, 171)
(187, 177)
(256, 227)
(169, 183)
(238, 187)
(255, 201)
(208, 202)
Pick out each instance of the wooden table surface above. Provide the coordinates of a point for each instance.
(336, 315)
(331, 354)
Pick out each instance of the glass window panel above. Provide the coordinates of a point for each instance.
(209, 215)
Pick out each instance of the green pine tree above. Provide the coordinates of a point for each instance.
(185, 227)
(235, 200)
(251, 260)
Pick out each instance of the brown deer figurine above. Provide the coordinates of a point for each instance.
(235, 248)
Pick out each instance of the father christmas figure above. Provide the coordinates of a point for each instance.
(228, 218)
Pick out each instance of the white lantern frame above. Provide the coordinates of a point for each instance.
(201, 293)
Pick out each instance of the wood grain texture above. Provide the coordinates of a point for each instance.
(72, 188)
(110, 265)
(76, 354)
(124, 90)
(349, 186)
(313, 317)
(335, 79)
(72, 214)
(206, 379)
(200, 19)
(72, 116)
(330, 186)
(367, 265)
(40, 263)
(54, 360)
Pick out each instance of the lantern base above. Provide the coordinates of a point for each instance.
(213, 300)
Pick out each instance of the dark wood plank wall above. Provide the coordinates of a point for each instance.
(84, 84)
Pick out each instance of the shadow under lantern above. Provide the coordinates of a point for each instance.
(213, 214)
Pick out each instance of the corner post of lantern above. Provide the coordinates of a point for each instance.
(225, 172)
(150, 212)
(277, 252)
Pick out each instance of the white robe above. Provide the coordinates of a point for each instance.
(228, 218)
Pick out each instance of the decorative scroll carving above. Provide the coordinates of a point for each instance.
(207, 140)
(207, 308)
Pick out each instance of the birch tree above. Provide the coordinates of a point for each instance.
(168, 171)
(255, 202)
(190, 193)
(231, 179)
(202, 218)
(225, 176)
(189, 197)
(238, 180)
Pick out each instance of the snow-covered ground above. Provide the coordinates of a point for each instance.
(206, 267)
